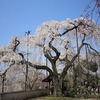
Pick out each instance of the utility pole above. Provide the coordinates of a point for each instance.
(26, 73)
(46, 65)
(79, 70)
(3, 81)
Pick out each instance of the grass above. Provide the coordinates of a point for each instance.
(54, 98)
(59, 98)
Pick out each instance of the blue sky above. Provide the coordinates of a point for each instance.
(18, 16)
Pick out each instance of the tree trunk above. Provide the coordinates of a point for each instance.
(75, 77)
(57, 87)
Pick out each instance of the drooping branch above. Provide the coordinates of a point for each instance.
(21, 55)
(75, 27)
(12, 62)
(4, 73)
(44, 67)
(92, 49)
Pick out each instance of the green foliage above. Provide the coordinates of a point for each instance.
(59, 98)
(73, 92)
(56, 98)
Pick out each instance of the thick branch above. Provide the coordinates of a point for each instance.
(37, 66)
(92, 48)
(69, 63)
(21, 55)
(16, 44)
(46, 54)
(54, 49)
(71, 29)
(64, 72)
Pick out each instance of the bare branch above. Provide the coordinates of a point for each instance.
(91, 48)
(54, 49)
(69, 63)
(16, 44)
(46, 54)
(21, 55)
(71, 28)
(44, 67)
(4, 73)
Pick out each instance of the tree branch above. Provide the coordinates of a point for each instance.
(71, 28)
(91, 48)
(4, 73)
(16, 44)
(37, 66)
(54, 49)
(82, 44)
(21, 55)
(69, 63)
(46, 54)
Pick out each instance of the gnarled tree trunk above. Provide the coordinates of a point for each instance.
(57, 86)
